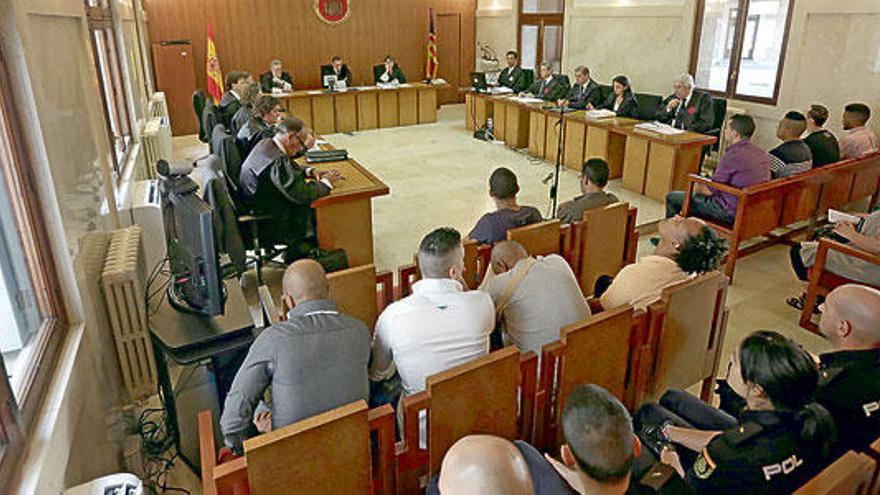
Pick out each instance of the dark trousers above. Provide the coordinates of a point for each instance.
(797, 263)
(701, 206)
(680, 409)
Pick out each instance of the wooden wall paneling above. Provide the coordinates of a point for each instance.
(301, 107)
(575, 137)
(250, 33)
(449, 55)
(367, 110)
(408, 105)
(346, 112)
(635, 164)
(537, 132)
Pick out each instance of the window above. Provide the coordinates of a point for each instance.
(540, 33)
(110, 77)
(741, 56)
(31, 307)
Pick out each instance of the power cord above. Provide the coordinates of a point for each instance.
(156, 444)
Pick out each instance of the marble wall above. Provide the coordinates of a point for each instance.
(497, 26)
(833, 54)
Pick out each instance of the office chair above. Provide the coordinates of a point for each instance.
(199, 99)
(648, 105)
(210, 119)
(226, 147)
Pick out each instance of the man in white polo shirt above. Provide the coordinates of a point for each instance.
(439, 326)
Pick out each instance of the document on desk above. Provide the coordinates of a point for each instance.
(316, 92)
(600, 114)
(387, 85)
(526, 99)
(659, 128)
(501, 90)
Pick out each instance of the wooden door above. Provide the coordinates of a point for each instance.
(176, 76)
(449, 56)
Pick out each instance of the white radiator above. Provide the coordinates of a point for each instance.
(158, 105)
(123, 280)
(157, 144)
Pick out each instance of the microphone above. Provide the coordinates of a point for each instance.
(547, 179)
(166, 169)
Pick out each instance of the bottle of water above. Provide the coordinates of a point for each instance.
(490, 125)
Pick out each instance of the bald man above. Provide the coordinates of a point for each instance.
(484, 465)
(314, 362)
(533, 297)
(686, 247)
(793, 156)
(850, 386)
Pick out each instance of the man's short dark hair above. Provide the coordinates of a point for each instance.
(860, 111)
(599, 432)
(744, 125)
(288, 125)
(596, 171)
(701, 253)
(437, 252)
(582, 69)
(336, 58)
(513, 52)
(819, 114)
(502, 184)
(795, 116)
(264, 105)
(235, 76)
(388, 58)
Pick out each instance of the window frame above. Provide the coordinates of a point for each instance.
(541, 20)
(100, 19)
(736, 55)
(17, 416)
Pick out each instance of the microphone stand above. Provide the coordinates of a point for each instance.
(554, 189)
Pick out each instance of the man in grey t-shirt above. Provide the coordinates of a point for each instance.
(594, 178)
(314, 362)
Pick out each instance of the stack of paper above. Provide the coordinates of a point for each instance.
(835, 216)
(600, 114)
(526, 99)
(659, 128)
(501, 90)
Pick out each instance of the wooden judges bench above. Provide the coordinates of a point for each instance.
(649, 163)
(363, 108)
(345, 217)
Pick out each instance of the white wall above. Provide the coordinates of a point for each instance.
(833, 55)
(496, 26)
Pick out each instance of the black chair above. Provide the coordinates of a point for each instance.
(530, 77)
(225, 146)
(210, 120)
(648, 106)
(606, 91)
(565, 79)
(719, 106)
(199, 99)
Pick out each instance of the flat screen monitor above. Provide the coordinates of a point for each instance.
(478, 81)
(196, 285)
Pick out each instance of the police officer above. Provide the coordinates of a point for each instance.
(849, 386)
(780, 441)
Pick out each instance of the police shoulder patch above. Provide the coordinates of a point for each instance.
(704, 465)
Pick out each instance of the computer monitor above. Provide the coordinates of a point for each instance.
(478, 81)
(196, 285)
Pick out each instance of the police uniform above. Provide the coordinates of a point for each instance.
(763, 455)
(849, 388)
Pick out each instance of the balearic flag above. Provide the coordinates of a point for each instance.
(432, 63)
(215, 76)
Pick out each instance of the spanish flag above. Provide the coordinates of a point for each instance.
(432, 63)
(215, 76)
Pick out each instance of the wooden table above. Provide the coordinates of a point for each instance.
(345, 217)
(363, 108)
(648, 163)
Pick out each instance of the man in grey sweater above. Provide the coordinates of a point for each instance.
(314, 362)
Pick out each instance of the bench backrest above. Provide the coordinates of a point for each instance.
(479, 397)
(354, 291)
(851, 474)
(539, 239)
(686, 332)
(603, 349)
(603, 237)
(267, 306)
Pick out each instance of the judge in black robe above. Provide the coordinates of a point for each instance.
(230, 102)
(584, 92)
(276, 78)
(622, 100)
(266, 112)
(548, 87)
(388, 72)
(338, 69)
(687, 108)
(274, 184)
(513, 76)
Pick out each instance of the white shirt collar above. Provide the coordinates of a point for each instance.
(437, 285)
(280, 146)
(549, 78)
(237, 97)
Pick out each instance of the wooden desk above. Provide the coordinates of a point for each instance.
(364, 108)
(648, 163)
(345, 217)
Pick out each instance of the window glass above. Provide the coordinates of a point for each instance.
(716, 44)
(762, 47)
(542, 6)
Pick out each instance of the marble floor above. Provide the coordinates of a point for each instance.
(438, 175)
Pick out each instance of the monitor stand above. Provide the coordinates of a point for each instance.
(181, 302)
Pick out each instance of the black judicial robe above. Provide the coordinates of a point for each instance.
(267, 81)
(514, 79)
(228, 107)
(549, 91)
(629, 107)
(274, 184)
(699, 116)
(344, 74)
(396, 73)
(581, 96)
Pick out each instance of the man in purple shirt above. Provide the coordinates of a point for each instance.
(493, 226)
(742, 165)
